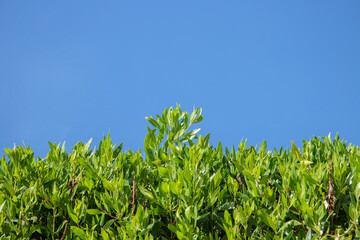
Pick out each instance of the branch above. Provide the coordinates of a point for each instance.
(133, 197)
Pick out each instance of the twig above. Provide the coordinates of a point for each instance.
(71, 186)
(133, 197)
(64, 233)
(332, 197)
(239, 180)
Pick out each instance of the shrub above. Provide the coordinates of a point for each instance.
(181, 188)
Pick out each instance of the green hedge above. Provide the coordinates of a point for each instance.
(182, 188)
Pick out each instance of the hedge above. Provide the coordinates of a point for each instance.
(181, 187)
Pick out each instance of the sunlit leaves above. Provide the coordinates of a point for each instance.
(181, 187)
(93, 211)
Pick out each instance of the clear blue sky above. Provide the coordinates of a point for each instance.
(261, 70)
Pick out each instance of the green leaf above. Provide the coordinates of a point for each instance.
(188, 213)
(172, 228)
(1, 207)
(78, 232)
(8, 187)
(104, 234)
(193, 132)
(72, 215)
(164, 172)
(193, 116)
(199, 119)
(164, 186)
(309, 235)
(227, 218)
(109, 223)
(236, 216)
(357, 191)
(152, 122)
(216, 178)
(266, 218)
(107, 185)
(89, 170)
(108, 202)
(292, 223)
(352, 212)
(180, 235)
(4, 165)
(93, 211)
(174, 188)
(147, 193)
(227, 206)
(102, 219)
(8, 152)
(309, 178)
(212, 197)
(87, 145)
(296, 151)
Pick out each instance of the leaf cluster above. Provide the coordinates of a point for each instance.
(181, 188)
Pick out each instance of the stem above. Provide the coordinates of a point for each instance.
(212, 220)
(19, 223)
(71, 200)
(54, 216)
(133, 197)
(357, 216)
(64, 233)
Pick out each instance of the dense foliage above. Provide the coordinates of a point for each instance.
(181, 188)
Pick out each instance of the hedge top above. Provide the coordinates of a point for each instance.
(181, 189)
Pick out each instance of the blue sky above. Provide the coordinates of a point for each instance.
(260, 70)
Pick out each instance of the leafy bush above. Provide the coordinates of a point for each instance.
(181, 188)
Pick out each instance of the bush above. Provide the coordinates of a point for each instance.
(181, 188)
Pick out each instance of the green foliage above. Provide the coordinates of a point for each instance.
(181, 188)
